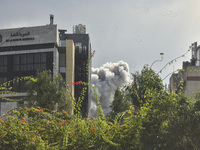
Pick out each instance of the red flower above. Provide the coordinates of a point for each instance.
(29, 109)
(58, 141)
(161, 53)
(64, 112)
(24, 120)
(117, 126)
(63, 116)
(4, 134)
(92, 118)
(67, 120)
(92, 54)
(0, 120)
(132, 110)
(77, 83)
(93, 129)
(39, 111)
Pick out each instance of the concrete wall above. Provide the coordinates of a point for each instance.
(192, 80)
(70, 63)
(6, 106)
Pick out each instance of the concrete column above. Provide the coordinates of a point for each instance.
(70, 63)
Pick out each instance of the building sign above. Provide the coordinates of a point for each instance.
(29, 35)
(20, 37)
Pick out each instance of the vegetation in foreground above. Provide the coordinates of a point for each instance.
(151, 118)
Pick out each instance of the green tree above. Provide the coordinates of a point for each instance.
(144, 83)
(47, 91)
(121, 101)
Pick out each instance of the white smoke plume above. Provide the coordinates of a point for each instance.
(106, 79)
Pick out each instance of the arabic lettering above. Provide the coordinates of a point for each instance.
(19, 34)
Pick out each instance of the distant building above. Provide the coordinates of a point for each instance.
(25, 50)
(82, 53)
(188, 80)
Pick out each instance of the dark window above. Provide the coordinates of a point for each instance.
(36, 58)
(3, 80)
(30, 58)
(29, 62)
(43, 57)
(3, 63)
(23, 59)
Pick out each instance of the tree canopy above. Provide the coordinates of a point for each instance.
(46, 91)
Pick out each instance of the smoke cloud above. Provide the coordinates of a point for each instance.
(106, 79)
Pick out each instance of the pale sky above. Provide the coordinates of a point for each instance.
(135, 31)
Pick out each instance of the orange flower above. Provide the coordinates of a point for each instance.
(64, 112)
(77, 83)
(93, 129)
(117, 126)
(132, 110)
(39, 111)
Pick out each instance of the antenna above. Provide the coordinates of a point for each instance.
(51, 19)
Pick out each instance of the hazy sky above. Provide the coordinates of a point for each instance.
(135, 31)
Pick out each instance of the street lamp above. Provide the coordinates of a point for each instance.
(161, 54)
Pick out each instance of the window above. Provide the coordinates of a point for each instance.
(30, 58)
(62, 69)
(84, 49)
(43, 57)
(62, 43)
(62, 60)
(3, 63)
(36, 58)
(29, 62)
(16, 62)
(78, 47)
(3, 80)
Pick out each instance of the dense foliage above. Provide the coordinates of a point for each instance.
(46, 91)
(161, 121)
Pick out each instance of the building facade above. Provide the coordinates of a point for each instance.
(24, 51)
(188, 79)
(82, 65)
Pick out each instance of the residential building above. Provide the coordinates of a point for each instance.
(188, 79)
